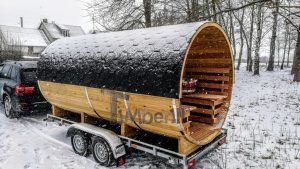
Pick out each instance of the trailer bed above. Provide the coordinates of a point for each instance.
(173, 157)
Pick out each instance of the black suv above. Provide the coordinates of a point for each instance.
(19, 89)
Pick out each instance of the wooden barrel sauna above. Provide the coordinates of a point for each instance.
(135, 78)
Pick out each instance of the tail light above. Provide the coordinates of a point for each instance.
(222, 141)
(21, 89)
(191, 163)
(121, 161)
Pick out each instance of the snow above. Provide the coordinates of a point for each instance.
(25, 36)
(263, 126)
(164, 38)
(74, 30)
(55, 32)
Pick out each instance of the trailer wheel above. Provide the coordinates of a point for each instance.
(102, 152)
(80, 144)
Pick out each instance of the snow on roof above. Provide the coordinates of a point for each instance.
(55, 32)
(74, 30)
(24, 36)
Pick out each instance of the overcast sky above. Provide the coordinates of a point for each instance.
(61, 11)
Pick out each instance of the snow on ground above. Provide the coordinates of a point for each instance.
(263, 123)
(263, 126)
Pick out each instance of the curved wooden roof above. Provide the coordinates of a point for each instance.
(146, 61)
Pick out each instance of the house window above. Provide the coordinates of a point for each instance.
(66, 33)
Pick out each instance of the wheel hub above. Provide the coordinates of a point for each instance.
(101, 152)
(79, 143)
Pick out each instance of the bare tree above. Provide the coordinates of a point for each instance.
(10, 49)
(273, 39)
(232, 31)
(147, 12)
(258, 40)
(297, 58)
(285, 45)
(114, 15)
(241, 40)
(278, 46)
(249, 50)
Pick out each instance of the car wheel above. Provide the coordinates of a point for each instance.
(80, 144)
(8, 107)
(102, 152)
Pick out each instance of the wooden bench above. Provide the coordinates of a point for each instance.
(211, 95)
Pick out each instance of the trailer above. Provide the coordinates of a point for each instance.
(117, 144)
(174, 82)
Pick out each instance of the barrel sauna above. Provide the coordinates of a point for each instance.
(135, 78)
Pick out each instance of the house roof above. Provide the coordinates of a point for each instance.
(23, 36)
(54, 30)
(74, 30)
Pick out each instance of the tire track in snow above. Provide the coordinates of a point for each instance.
(27, 123)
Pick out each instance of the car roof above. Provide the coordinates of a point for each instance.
(22, 64)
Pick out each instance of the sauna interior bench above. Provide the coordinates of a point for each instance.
(205, 96)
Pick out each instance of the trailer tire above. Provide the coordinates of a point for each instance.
(80, 143)
(102, 152)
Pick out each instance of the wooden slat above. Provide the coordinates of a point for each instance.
(211, 61)
(208, 70)
(205, 96)
(218, 93)
(207, 56)
(210, 78)
(214, 86)
(208, 111)
(204, 111)
(205, 51)
(198, 101)
(204, 119)
(187, 107)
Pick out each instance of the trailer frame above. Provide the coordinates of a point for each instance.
(174, 158)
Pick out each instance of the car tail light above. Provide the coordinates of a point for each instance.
(191, 163)
(121, 161)
(21, 89)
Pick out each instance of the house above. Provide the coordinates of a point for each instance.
(32, 42)
(29, 41)
(55, 31)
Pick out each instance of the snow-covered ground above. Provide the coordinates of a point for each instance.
(263, 126)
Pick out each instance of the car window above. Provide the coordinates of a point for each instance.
(1, 67)
(13, 74)
(5, 71)
(29, 75)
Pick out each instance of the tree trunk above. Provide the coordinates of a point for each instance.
(214, 10)
(258, 40)
(284, 49)
(232, 31)
(273, 39)
(208, 9)
(249, 60)
(147, 12)
(278, 52)
(242, 40)
(294, 61)
(223, 19)
(289, 50)
(297, 59)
